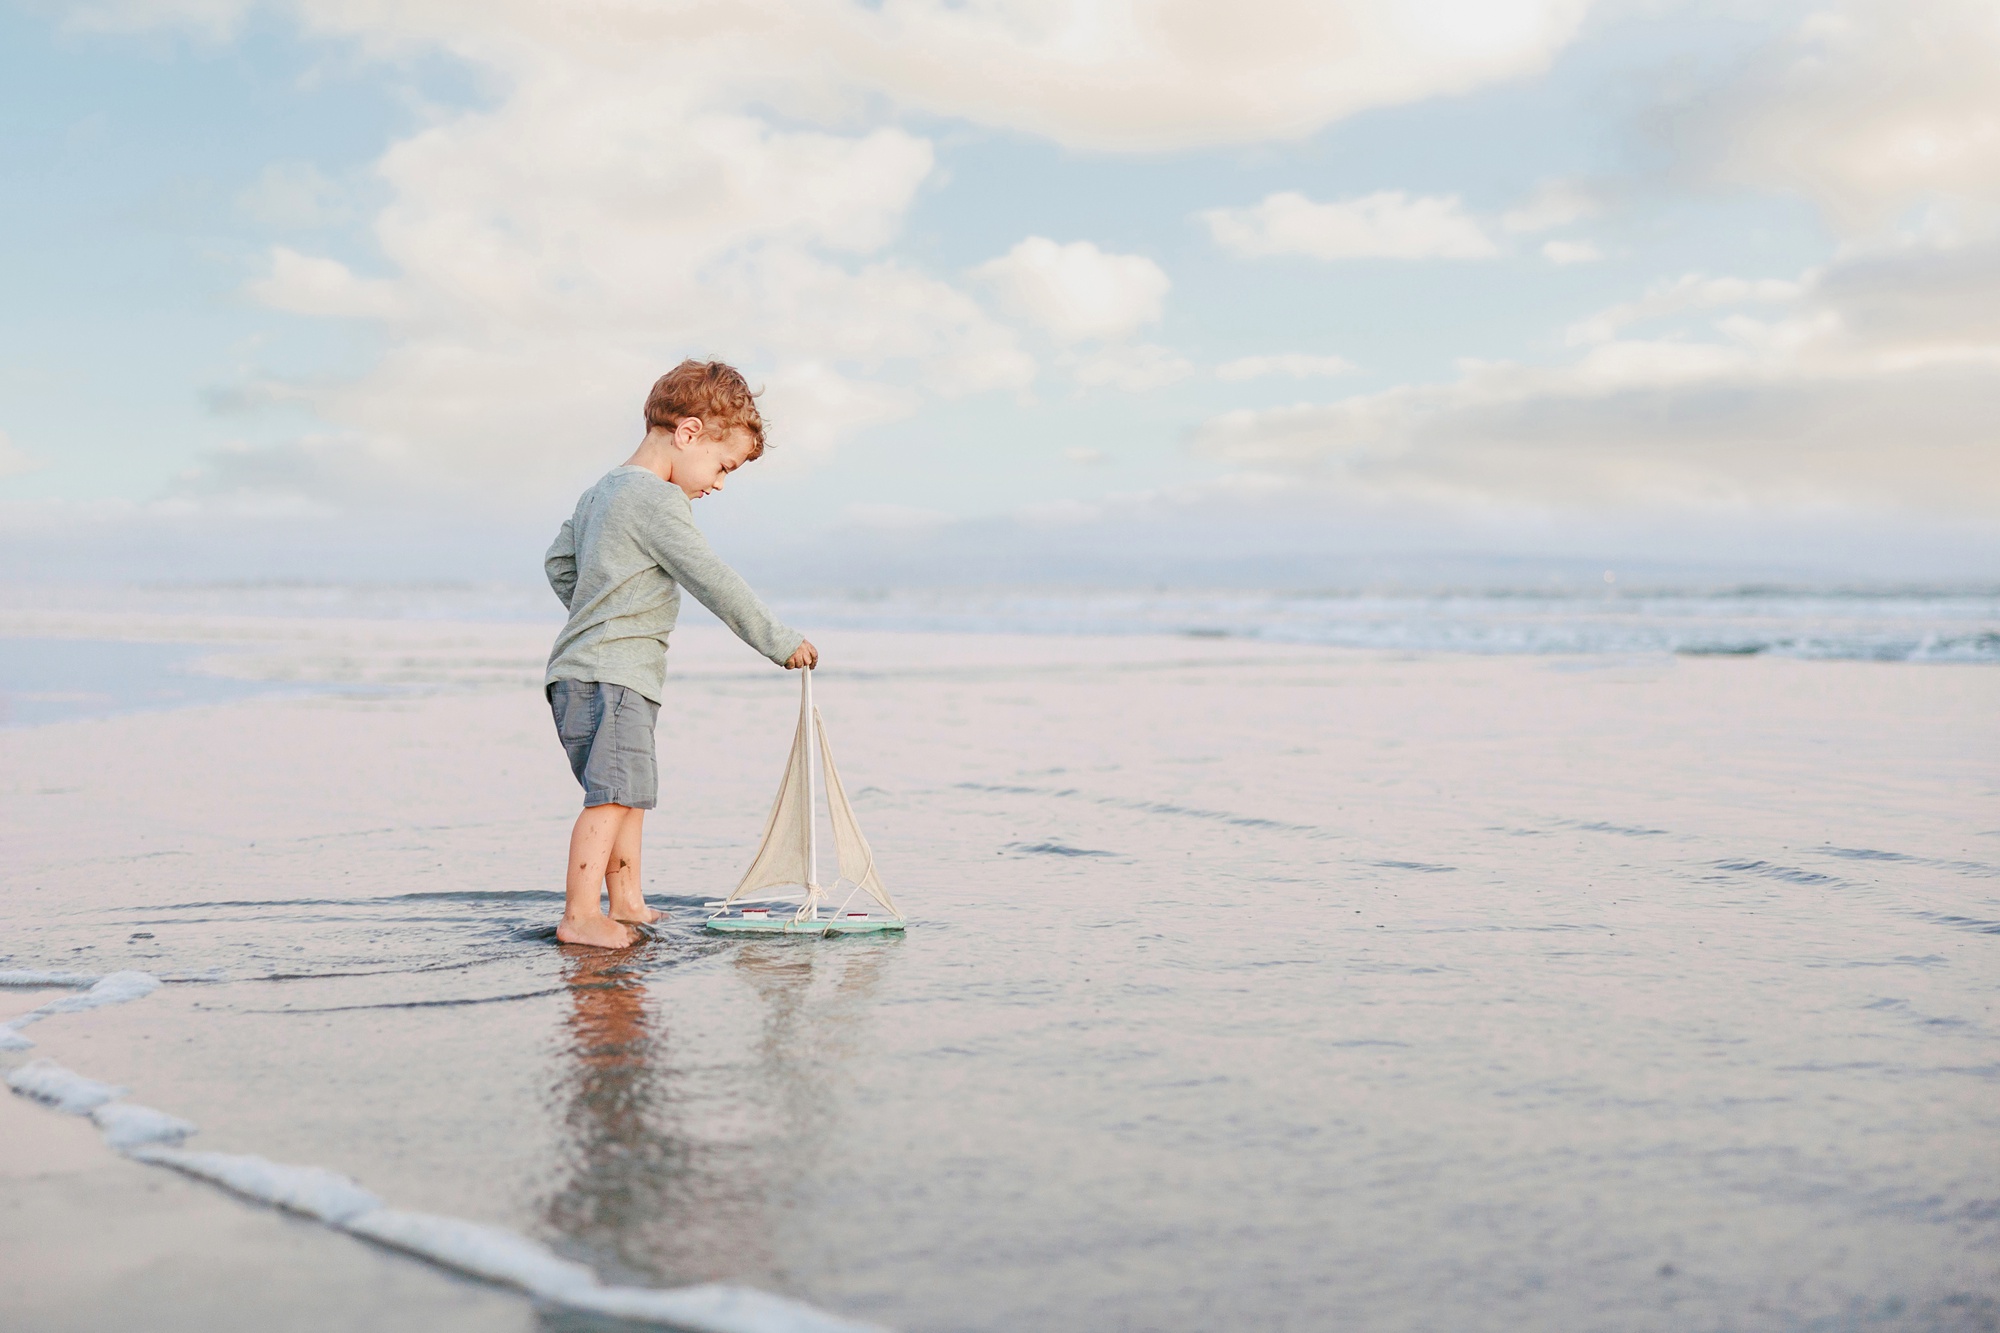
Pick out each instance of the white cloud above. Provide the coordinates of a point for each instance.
(293, 196)
(1388, 224)
(554, 254)
(1157, 74)
(452, 409)
(1927, 299)
(1132, 369)
(1672, 296)
(1869, 107)
(305, 285)
(1144, 74)
(1555, 203)
(1392, 224)
(1298, 365)
(1563, 253)
(1875, 384)
(815, 406)
(1077, 291)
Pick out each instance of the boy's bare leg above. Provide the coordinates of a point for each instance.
(628, 894)
(590, 844)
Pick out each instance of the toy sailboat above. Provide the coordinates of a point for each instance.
(785, 870)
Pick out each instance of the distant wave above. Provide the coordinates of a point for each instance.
(1830, 623)
(1834, 625)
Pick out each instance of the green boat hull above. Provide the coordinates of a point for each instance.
(784, 925)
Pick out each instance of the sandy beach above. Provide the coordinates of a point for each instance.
(1247, 985)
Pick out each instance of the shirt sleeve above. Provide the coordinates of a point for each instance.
(560, 563)
(676, 543)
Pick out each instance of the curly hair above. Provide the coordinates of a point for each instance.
(712, 390)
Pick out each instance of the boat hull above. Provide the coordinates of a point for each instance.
(736, 925)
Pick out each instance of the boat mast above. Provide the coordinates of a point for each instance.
(812, 806)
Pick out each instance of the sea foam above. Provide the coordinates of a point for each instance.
(483, 1251)
(127, 1125)
(715, 1308)
(52, 1085)
(34, 979)
(494, 1253)
(117, 988)
(310, 1191)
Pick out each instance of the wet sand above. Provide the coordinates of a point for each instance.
(1248, 985)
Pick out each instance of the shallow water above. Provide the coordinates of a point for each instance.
(56, 680)
(1247, 986)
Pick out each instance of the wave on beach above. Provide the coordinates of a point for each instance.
(492, 1253)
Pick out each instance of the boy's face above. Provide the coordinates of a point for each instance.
(702, 462)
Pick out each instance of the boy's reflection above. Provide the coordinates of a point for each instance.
(619, 1168)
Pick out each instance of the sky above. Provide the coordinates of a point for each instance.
(1282, 292)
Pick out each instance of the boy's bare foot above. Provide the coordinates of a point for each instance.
(641, 916)
(598, 932)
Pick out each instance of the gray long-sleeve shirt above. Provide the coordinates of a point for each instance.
(619, 565)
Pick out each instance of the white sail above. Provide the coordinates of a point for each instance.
(787, 858)
(857, 858)
(784, 858)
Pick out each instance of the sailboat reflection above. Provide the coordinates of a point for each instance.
(812, 1000)
(667, 1171)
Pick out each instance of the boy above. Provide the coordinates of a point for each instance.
(619, 564)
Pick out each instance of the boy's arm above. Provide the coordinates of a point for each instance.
(560, 563)
(674, 541)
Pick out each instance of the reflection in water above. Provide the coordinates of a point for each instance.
(679, 1162)
(619, 1167)
(808, 1030)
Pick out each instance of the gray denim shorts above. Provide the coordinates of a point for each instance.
(608, 731)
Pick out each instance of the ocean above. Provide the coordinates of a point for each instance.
(143, 659)
(1467, 961)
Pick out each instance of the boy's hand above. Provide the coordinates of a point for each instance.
(805, 656)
